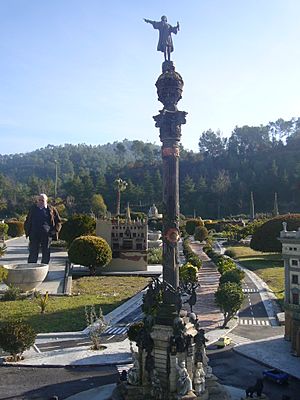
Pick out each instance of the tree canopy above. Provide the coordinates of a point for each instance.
(215, 181)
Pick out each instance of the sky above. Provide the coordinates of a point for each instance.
(84, 71)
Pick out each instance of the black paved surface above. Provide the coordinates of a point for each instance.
(235, 370)
(27, 383)
(253, 311)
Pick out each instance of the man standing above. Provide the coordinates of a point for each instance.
(42, 224)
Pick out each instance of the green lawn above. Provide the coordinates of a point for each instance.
(268, 266)
(67, 313)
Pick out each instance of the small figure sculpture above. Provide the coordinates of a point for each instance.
(257, 388)
(133, 375)
(184, 382)
(199, 379)
(156, 390)
(165, 42)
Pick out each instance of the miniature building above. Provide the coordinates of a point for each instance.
(153, 212)
(291, 256)
(128, 241)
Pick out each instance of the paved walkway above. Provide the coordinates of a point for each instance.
(208, 277)
(17, 252)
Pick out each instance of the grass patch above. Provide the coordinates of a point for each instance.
(268, 266)
(65, 314)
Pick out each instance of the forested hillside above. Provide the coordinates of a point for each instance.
(215, 181)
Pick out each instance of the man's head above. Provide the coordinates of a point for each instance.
(164, 18)
(42, 200)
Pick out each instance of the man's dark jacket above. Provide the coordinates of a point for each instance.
(55, 222)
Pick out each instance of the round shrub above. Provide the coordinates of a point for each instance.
(230, 253)
(16, 336)
(225, 264)
(15, 228)
(201, 233)
(91, 251)
(188, 273)
(192, 224)
(233, 275)
(265, 237)
(77, 225)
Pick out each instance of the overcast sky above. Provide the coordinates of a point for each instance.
(84, 71)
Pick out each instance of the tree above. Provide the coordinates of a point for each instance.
(211, 143)
(120, 186)
(265, 238)
(98, 206)
(220, 186)
(229, 297)
(91, 251)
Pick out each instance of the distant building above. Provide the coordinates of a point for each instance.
(128, 241)
(291, 256)
(153, 212)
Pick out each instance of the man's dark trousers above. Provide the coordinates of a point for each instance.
(35, 242)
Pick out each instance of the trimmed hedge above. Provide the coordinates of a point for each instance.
(190, 256)
(16, 336)
(15, 228)
(3, 229)
(188, 273)
(192, 224)
(91, 251)
(201, 233)
(77, 225)
(265, 238)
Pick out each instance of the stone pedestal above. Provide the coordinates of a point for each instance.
(164, 363)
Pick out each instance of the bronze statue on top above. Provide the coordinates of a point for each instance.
(165, 42)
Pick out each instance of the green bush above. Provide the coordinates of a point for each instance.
(134, 330)
(225, 264)
(201, 233)
(90, 251)
(188, 273)
(16, 336)
(3, 229)
(195, 260)
(233, 275)
(155, 255)
(77, 225)
(15, 228)
(229, 297)
(3, 249)
(265, 236)
(192, 224)
(230, 253)
(3, 273)
(11, 294)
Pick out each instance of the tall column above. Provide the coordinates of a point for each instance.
(169, 120)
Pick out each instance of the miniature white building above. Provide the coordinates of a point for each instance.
(153, 212)
(291, 256)
(128, 241)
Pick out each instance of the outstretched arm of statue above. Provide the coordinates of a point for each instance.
(177, 26)
(148, 21)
